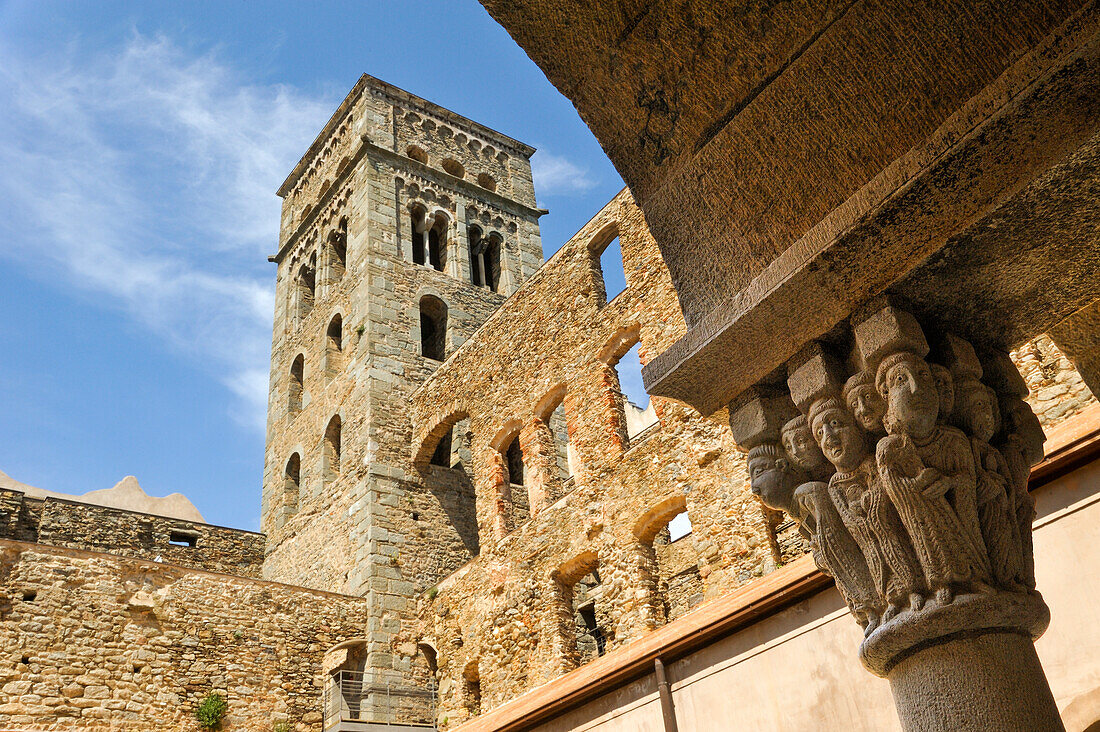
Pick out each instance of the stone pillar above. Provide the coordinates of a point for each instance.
(1078, 336)
(460, 256)
(906, 466)
(540, 458)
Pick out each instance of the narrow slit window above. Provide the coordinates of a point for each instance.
(291, 483)
(433, 328)
(296, 384)
(332, 447)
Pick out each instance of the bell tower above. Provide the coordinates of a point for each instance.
(404, 227)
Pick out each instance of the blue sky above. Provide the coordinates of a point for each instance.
(141, 145)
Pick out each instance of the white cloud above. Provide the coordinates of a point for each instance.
(147, 175)
(556, 175)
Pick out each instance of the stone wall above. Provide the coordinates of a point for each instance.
(19, 516)
(64, 523)
(97, 641)
(593, 548)
(1057, 390)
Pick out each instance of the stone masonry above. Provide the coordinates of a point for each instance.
(95, 641)
(404, 227)
(458, 499)
(592, 567)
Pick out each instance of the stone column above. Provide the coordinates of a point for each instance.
(906, 466)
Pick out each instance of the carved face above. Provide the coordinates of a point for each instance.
(945, 388)
(978, 412)
(771, 478)
(803, 450)
(912, 401)
(868, 407)
(1022, 422)
(841, 439)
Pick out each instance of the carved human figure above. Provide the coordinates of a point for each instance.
(837, 554)
(945, 388)
(803, 450)
(773, 478)
(977, 413)
(865, 403)
(928, 471)
(1022, 447)
(865, 508)
(781, 485)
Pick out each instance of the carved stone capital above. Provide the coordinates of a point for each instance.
(906, 466)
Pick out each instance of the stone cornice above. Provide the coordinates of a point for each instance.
(443, 178)
(401, 96)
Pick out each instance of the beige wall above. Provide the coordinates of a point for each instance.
(798, 669)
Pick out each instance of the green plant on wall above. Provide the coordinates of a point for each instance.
(281, 726)
(210, 710)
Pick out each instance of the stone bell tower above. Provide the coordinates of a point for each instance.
(404, 226)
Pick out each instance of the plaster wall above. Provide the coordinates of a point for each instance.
(798, 669)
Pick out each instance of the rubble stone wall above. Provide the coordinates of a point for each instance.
(92, 641)
(64, 523)
(511, 618)
(1057, 390)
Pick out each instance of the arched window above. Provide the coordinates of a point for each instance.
(477, 270)
(637, 406)
(454, 167)
(331, 453)
(486, 181)
(578, 586)
(334, 345)
(296, 385)
(673, 584)
(292, 477)
(607, 263)
(433, 328)
(417, 154)
(337, 252)
(445, 497)
(306, 287)
(518, 503)
(472, 681)
(437, 242)
(513, 461)
(419, 250)
(484, 259)
(491, 256)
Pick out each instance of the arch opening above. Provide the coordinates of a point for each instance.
(296, 384)
(306, 288)
(292, 479)
(581, 598)
(332, 448)
(336, 252)
(607, 264)
(334, 345)
(433, 328)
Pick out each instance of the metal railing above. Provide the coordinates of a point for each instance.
(355, 696)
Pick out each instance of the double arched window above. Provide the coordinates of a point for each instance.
(484, 258)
